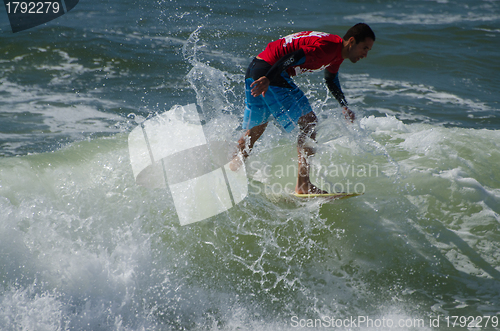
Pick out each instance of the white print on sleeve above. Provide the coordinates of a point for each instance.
(299, 70)
(292, 37)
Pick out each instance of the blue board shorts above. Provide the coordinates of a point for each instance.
(283, 100)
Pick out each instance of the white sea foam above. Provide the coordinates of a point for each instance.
(366, 85)
(96, 249)
(37, 114)
(422, 19)
(25, 309)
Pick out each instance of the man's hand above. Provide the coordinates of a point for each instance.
(349, 114)
(260, 86)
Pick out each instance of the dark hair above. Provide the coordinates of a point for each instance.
(360, 32)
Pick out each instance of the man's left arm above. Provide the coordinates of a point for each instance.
(333, 84)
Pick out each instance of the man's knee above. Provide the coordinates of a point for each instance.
(307, 123)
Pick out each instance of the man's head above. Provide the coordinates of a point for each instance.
(358, 40)
(360, 32)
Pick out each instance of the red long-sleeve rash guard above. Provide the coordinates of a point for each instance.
(307, 51)
(321, 50)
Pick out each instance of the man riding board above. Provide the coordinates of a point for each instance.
(269, 90)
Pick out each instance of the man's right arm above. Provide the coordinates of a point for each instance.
(289, 60)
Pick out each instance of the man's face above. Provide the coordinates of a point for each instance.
(360, 51)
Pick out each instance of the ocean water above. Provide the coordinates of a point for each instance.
(83, 247)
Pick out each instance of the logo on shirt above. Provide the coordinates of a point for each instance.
(290, 38)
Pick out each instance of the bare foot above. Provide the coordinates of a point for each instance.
(308, 188)
(236, 162)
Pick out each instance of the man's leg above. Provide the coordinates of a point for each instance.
(245, 145)
(307, 124)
